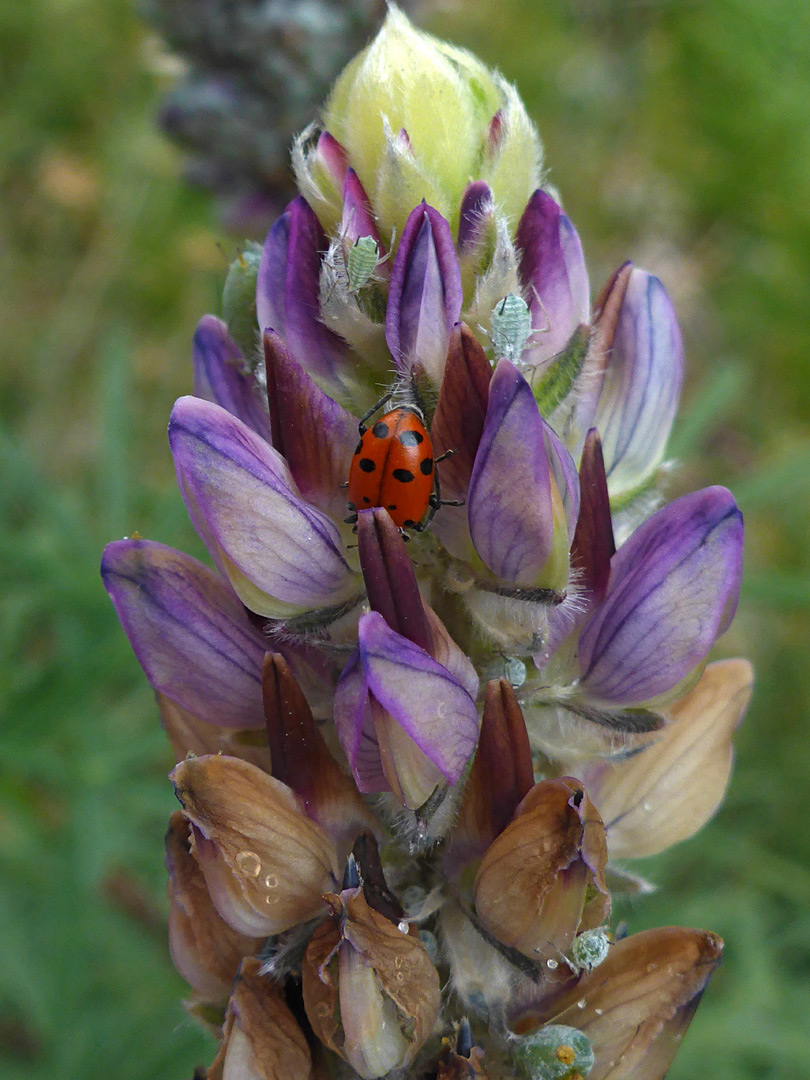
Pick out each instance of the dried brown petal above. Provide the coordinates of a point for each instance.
(670, 790)
(266, 864)
(190, 735)
(205, 949)
(640, 1000)
(370, 990)
(531, 887)
(262, 1039)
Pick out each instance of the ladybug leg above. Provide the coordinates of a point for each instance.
(444, 456)
(362, 425)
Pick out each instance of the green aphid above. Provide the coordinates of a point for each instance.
(239, 302)
(362, 261)
(510, 327)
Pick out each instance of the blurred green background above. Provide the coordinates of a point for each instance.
(679, 135)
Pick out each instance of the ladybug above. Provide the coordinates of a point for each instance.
(393, 466)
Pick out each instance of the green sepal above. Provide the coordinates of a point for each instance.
(552, 389)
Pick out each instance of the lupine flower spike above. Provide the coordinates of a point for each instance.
(405, 769)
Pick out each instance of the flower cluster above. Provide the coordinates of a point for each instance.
(410, 755)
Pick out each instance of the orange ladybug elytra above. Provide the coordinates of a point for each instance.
(393, 466)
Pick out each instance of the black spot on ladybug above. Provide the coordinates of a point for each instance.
(366, 499)
(380, 430)
(426, 466)
(391, 506)
(358, 448)
(403, 475)
(409, 524)
(366, 464)
(410, 438)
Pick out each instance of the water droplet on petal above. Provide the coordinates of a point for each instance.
(403, 928)
(581, 1004)
(249, 863)
(598, 1011)
(552, 964)
(271, 881)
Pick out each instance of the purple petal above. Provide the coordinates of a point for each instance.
(272, 276)
(593, 546)
(457, 425)
(642, 384)
(219, 377)
(673, 588)
(354, 725)
(288, 289)
(477, 209)
(421, 695)
(509, 504)
(358, 217)
(189, 631)
(274, 545)
(389, 576)
(315, 435)
(424, 300)
(552, 267)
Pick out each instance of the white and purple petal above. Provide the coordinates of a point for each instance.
(219, 376)
(424, 299)
(429, 703)
(354, 725)
(190, 633)
(554, 277)
(673, 588)
(281, 554)
(565, 476)
(642, 384)
(509, 505)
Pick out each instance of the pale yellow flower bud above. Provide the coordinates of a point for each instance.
(419, 118)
